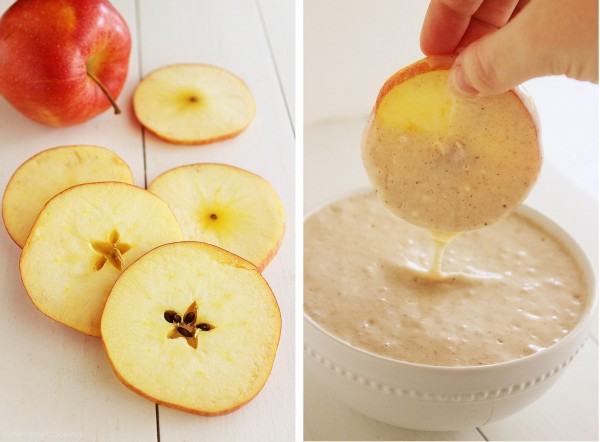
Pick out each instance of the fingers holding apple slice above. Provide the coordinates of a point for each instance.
(449, 163)
(193, 104)
(192, 326)
(81, 242)
(225, 206)
(50, 172)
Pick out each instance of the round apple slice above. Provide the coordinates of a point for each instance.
(193, 104)
(50, 172)
(192, 326)
(81, 242)
(448, 163)
(225, 206)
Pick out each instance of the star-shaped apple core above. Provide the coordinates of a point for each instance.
(111, 251)
(186, 326)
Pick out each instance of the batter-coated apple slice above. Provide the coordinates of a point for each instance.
(448, 163)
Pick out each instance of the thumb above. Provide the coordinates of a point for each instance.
(549, 37)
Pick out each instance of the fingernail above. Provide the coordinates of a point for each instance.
(460, 84)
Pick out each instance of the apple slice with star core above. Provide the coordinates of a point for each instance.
(192, 326)
(193, 104)
(225, 206)
(81, 242)
(448, 163)
(50, 172)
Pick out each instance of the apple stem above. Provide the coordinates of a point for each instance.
(105, 90)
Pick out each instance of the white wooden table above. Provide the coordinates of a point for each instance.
(351, 47)
(56, 383)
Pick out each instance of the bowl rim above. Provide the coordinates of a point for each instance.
(541, 220)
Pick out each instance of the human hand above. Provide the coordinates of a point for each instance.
(502, 43)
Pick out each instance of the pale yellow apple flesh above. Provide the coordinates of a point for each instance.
(81, 242)
(446, 163)
(227, 349)
(193, 104)
(50, 172)
(225, 206)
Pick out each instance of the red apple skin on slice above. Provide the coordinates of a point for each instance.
(50, 172)
(419, 67)
(447, 163)
(50, 52)
(230, 363)
(81, 242)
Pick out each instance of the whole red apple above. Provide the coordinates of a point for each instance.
(62, 62)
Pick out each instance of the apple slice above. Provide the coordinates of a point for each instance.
(448, 163)
(50, 172)
(81, 242)
(193, 104)
(192, 326)
(225, 206)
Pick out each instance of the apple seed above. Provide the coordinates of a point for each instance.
(185, 332)
(188, 318)
(170, 316)
(173, 334)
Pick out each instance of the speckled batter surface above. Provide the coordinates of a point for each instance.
(509, 290)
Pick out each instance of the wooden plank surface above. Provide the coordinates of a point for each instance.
(230, 34)
(57, 383)
(279, 19)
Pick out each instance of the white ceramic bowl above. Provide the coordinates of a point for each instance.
(437, 398)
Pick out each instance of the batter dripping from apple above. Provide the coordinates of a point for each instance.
(445, 163)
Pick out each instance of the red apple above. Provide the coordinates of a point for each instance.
(62, 62)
